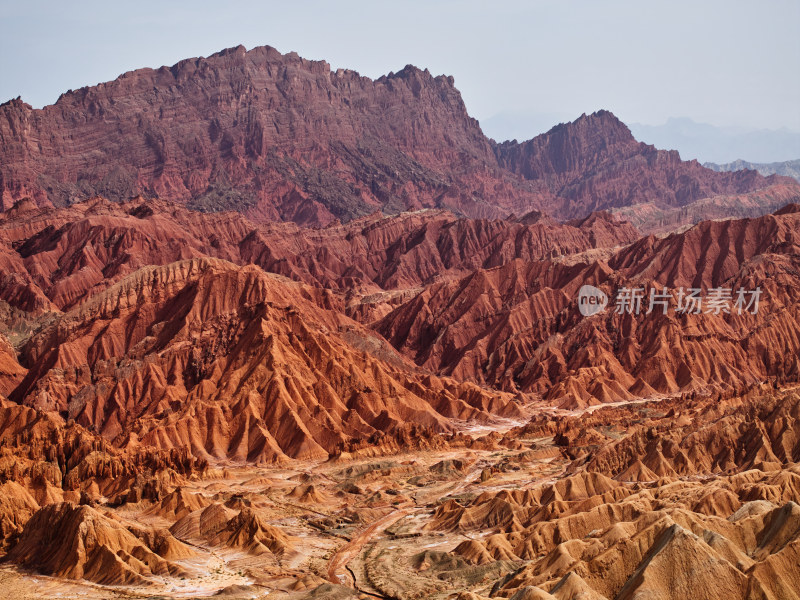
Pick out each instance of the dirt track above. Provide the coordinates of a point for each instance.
(337, 571)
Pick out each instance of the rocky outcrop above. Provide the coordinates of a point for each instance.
(517, 327)
(594, 163)
(80, 542)
(278, 137)
(231, 362)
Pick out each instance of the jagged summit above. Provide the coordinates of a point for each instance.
(282, 138)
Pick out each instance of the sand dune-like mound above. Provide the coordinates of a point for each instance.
(203, 524)
(218, 525)
(79, 542)
(179, 503)
(309, 494)
(249, 532)
(616, 529)
(495, 513)
(761, 433)
(644, 543)
(573, 587)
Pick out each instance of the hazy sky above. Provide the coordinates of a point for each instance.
(726, 63)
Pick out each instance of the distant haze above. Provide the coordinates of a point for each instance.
(700, 141)
(720, 144)
(726, 63)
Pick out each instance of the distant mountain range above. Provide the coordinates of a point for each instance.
(280, 138)
(789, 168)
(708, 143)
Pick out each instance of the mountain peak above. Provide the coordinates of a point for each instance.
(279, 137)
(603, 121)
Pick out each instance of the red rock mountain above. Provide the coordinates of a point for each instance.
(231, 403)
(276, 136)
(484, 301)
(55, 258)
(594, 163)
(517, 327)
(279, 137)
(231, 362)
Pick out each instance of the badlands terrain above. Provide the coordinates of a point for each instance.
(273, 331)
(399, 407)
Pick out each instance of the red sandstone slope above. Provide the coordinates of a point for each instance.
(282, 138)
(62, 256)
(594, 163)
(517, 327)
(231, 362)
(416, 248)
(79, 542)
(711, 253)
(71, 253)
(513, 326)
(276, 136)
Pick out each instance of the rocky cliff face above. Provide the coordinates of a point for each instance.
(517, 327)
(231, 362)
(491, 302)
(53, 259)
(594, 163)
(278, 137)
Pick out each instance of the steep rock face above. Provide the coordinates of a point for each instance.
(69, 254)
(231, 362)
(52, 459)
(56, 258)
(279, 137)
(594, 163)
(17, 505)
(517, 327)
(11, 372)
(367, 258)
(712, 252)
